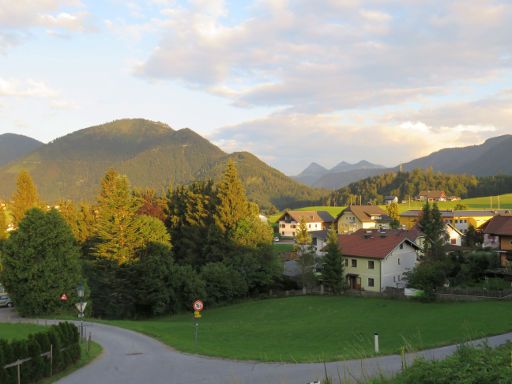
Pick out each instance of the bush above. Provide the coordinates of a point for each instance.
(63, 337)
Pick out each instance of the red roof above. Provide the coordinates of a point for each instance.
(499, 225)
(375, 243)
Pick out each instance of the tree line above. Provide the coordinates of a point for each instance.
(139, 253)
(407, 185)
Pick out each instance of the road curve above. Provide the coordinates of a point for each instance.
(132, 358)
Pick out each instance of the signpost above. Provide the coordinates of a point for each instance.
(198, 307)
(63, 297)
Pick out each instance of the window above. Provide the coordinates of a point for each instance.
(293, 226)
(453, 241)
(346, 262)
(282, 233)
(398, 261)
(394, 279)
(283, 225)
(354, 263)
(399, 277)
(371, 264)
(401, 247)
(371, 282)
(309, 225)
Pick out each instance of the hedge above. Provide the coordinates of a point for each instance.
(64, 339)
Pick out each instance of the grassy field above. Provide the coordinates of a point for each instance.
(280, 248)
(18, 331)
(307, 329)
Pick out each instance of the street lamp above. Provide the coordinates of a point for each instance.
(81, 292)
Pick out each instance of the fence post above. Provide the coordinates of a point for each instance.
(19, 372)
(89, 343)
(51, 360)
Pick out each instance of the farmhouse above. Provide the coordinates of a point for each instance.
(390, 199)
(315, 221)
(498, 235)
(377, 259)
(356, 217)
(432, 196)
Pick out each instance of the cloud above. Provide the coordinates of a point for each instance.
(329, 56)
(18, 17)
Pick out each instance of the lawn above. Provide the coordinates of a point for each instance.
(312, 328)
(18, 331)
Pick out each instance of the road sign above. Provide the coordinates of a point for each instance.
(197, 314)
(198, 305)
(63, 297)
(81, 306)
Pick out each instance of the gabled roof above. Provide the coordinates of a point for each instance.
(364, 213)
(433, 194)
(460, 213)
(375, 244)
(499, 225)
(309, 216)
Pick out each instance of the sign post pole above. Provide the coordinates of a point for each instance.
(198, 307)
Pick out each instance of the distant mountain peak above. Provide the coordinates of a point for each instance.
(313, 168)
(14, 146)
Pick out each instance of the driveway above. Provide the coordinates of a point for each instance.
(132, 358)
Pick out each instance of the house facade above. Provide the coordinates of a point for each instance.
(432, 196)
(460, 219)
(498, 235)
(377, 259)
(289, 221)
(390, 199)
(356, 217)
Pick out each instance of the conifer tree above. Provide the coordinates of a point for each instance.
(24, 198)
(332, 272)
(3, 224)
(116, 223)
(305, 253)
(40, 262)
(433, 227)
(232, 204)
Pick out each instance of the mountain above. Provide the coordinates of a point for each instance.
(312, 172)
(490, 158)
(14, 146)
(151, 154)
(338, 176)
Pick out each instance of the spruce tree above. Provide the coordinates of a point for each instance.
(116, 229)
(232, 204)
(433, 228)
(40, 262)
(332, 272)
(24, 198)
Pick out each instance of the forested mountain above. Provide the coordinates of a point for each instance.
(341, 174)
(152, 155)
(491, 158)
(14, 146)
(409, 184)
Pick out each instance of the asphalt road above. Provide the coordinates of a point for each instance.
(132, 358)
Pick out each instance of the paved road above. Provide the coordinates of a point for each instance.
(132, 358)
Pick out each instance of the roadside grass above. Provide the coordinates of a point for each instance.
(14, 331)
(280, 248)
(86, 357)
(317, 328)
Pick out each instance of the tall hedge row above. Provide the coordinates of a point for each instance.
(65, 341)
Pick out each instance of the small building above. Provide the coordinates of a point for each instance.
(355, 217)
(377, 259)
(319, 241)
(315, 221)
(498, 235)
(454, 236)
(390, 199)
(432, 196)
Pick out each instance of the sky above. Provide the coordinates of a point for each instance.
(291, 81)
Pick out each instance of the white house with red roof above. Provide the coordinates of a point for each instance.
(377, 259)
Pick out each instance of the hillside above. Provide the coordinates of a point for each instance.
(407, 185)
(493, 157)
(14, 146)
(152, 155)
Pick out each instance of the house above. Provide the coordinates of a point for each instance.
(460, 219)
(390, 199)
(355, 217)
(377, 259)
(432, 196)
(319, 241)
(315, 221)
(454, 236)
(498, 235)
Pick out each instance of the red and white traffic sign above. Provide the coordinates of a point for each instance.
(198, 305)
(63, 297)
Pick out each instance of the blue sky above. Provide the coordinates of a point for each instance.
(291, 81)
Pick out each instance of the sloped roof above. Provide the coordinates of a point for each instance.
(364, 213)
(459, 213)
(499, 225)
(433, 194)
(374, 244)
(309, 216)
